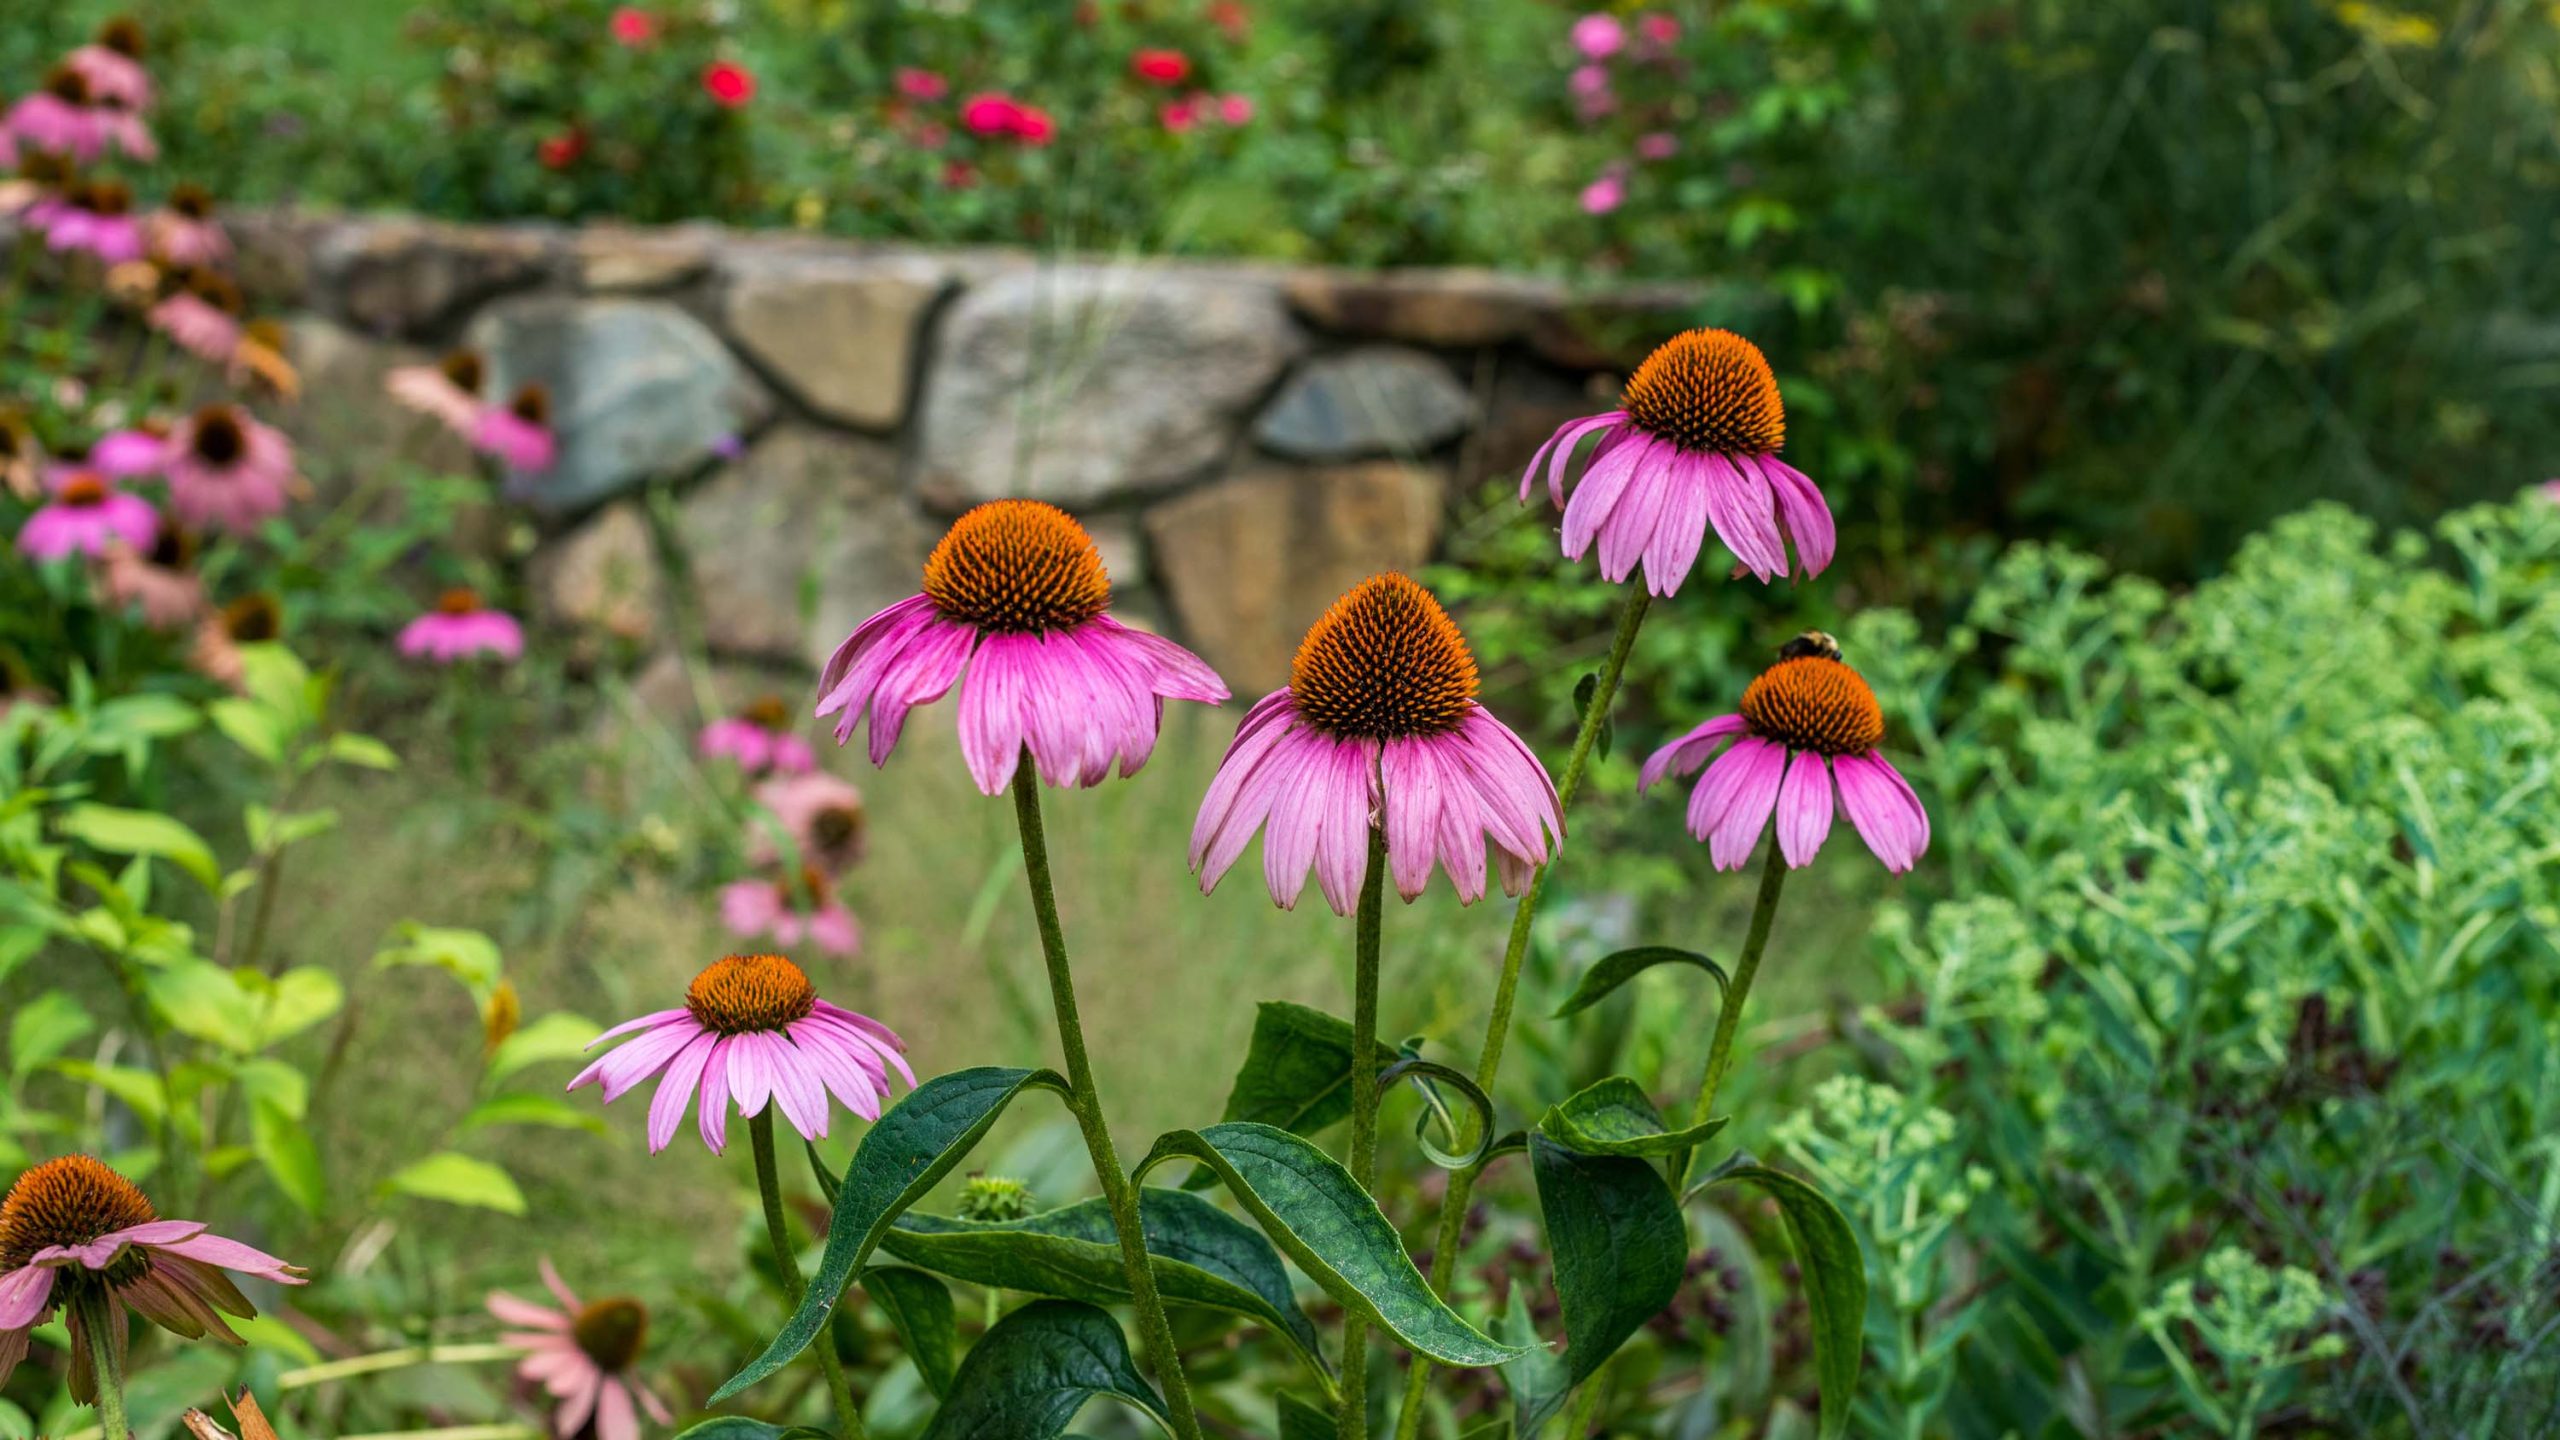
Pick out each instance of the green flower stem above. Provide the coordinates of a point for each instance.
(786, 1258)
(386, 1360)
(1773, 878)
(1497, 1031)
(1086, 1102)
(98, 1319)
(1352, 1418)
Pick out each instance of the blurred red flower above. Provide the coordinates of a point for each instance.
(634, 27)
(1160, 67)
(728, 83)
(1002, 115)
(559, 152)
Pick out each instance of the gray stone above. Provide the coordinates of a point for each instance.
(795, 543)
(1452, 309)
(1376, 400)
(1251, 561)
(414, 277)
(839, 333)
(638, 388)
(1079, 383)
(604, 577)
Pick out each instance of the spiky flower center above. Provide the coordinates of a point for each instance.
(123, 35)
(1384, 663)
(460, 600)
(220, 439)
(532, 405)
(1814, 702)
(107, 197)
(1708, 391)
(1017, 566)
(69, 1201)
(85, 489)
(464, 369)
(253, 618)
(213, 288)
(743, 993)
(611, 1332)
(769, 713)
(43, 167)
(191, 201)
(66, 85)
(172, 548)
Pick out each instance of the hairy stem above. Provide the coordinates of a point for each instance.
(1497, 1030)
(1773, 878)
(1086, 1102)
(98, 1319)
(1352, 1422)
(786, 1258)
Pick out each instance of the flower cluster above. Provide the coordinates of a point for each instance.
(1602, 43)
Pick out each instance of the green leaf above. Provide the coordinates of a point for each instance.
(1297, 1070)
(42, 1029)
(1615, 1117)
(251, 726)
(1620, 1251)
(299, 999)
(531, 1108)
(1026, 1378)
(1536, 1377)
(1202, 1257)
(266, 1332)
(742, 1427)
(1615, 970)
(466, 955)
(1305, 1419)
(140, 1090)
(919, 1307)
(203, 1001)
(910, 1149)
(363, 750)
(276, 1083)
(142, 832)
(284, 1147)
(1312, 1210)
(557, 1036)
(1835, 1280)
(458, 1179)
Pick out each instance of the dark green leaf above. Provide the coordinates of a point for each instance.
(919, 1307)
(1202, 1256)
(1620, 1250)
(1835, 1281)
(1536, 1376)
(1312, 1210)
(1615, 1117)
(1026, 1378)
(903, 1156)
(1305, 1419)
(740, 1427)
(828, 1184)
(1615, 970)
(1297, 1071)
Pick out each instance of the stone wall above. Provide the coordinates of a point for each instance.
(1243, 441)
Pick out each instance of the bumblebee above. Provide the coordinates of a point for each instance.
(1811, 642)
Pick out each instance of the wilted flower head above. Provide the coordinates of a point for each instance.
(227, 471)
(1015, 594)
(751, 1029)
(759, 738)
(1805, 722)
(86, 516)
(252, 619)
(1693, 443)
(1378, 725)
(71, 1227)
(21, 457)
(583, 1355)
(462, 628)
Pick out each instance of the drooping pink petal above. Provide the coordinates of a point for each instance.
(1628, 530)
(1744, 512)
(24, 1293)
(525, 1313)
(654, 1017)
(615, 1418)
(232, 1255)
(1716, 788)
(1414, 793)
(581, 1390)
(1603, 485)
(1881, 805)
(1804, 808)
(713, 1115)
(1556, 456)
(558, 1287)
(1682, 529)
(919, 674)
(1755, 794)
(684, 1076)
(1348, 796)
(1807, 515)
(1684, 755)
(1226, 823)
(991, 701)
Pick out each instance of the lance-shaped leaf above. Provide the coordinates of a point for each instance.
(1313, 1211)
(1620, 1249)
(1835, 1280)
(1616, 1117)
(919, 1308)
(1615, 970)
(1297, 1070)
(1536, 1375)
(1202, 1255)
(1026, 1378)
(1305, 1419)
(904, 1155)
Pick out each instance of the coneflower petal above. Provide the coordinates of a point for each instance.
(1804, 808)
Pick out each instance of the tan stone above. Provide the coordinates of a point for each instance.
(604, 576)
(616, 259)
(1453, 309)
(413, 277)
(839, 333)
(1251, 561)
(797, 541)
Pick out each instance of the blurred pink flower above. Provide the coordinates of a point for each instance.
(156, 584)
(184, 232)
(582, 1355)
(58, 118)
(200, 327)
(918, 84)
(1606, 193)
(633, 27)
(1599, 36)
(1659, 145)
(759, 738)
(995, 116)
(821, 814)
(1592, 97)
(728, 83)
(448, 391)
(760, 909)
(97, 220)
(1160, 67)
(227, 471)
(460, 628)
(519, 433)
(112, 67)
(124, 454)
(1656, 33)
(1179, 116)
(87, 515)
(1235, 109)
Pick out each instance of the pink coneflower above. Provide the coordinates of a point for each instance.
(1015, 594)
(1656, 33)
(461, 628)
(159, 584)
(59, 117)
(87, 516)
(448, 390)
(788, 912)
(728, 83)
(821, 815)
(519, 433)
(111, 65)
(71, 1229)
(918, 84)
(1693, 443)
(228, 472)
(1606, 193)
(751, 1029)
(96, 220)
(1599, 36)
(759, 738)
(633, 28)
(582, 1354)
(993, 116)
(202, 315)
(1379, 724)
(1160, 67)
(137, 450)
(1806, 721)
